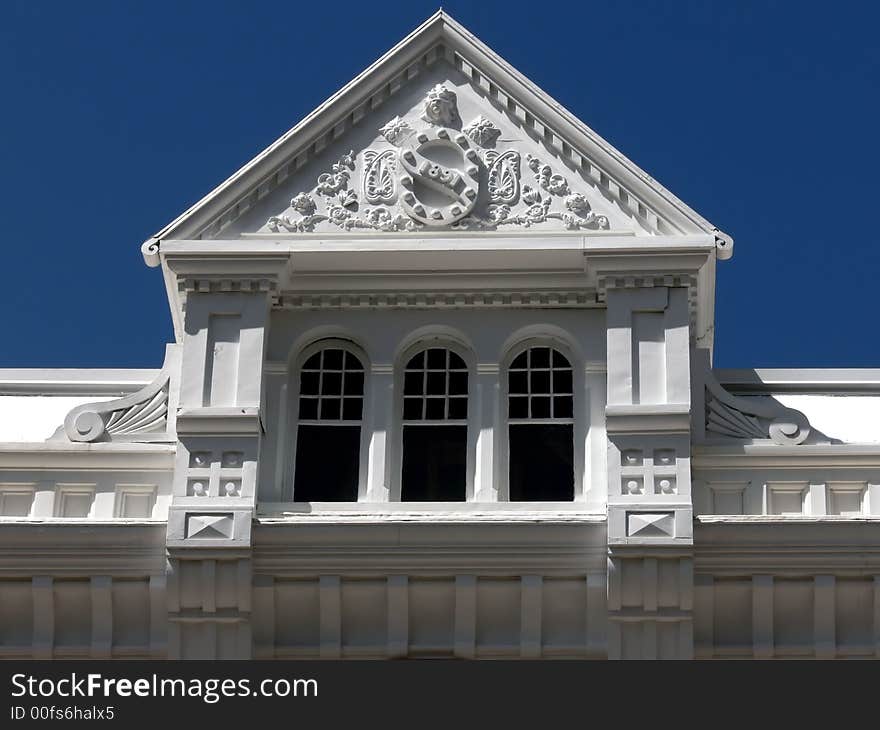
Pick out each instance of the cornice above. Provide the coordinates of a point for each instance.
(807, 381)
(440, 300)
(764, 455)
(79, 548)
(54, 455)
(73, 381)
(648, 418)
(399, 513)
(219, 421)
(786, 545)
(285, 547)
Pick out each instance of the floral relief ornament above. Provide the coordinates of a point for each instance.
(538, 212)
(482, 131)
(340, 207)
(330, 183)
(396, 130)
(303, 204)
(555, 184)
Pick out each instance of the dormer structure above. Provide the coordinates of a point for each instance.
(441, 385)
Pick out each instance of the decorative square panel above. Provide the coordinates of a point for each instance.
(631, 457)
(664, 457)
(16, 502)
(650, 524)
(74, 502)
(786, 499)
(846, 499)
(197, 488)
(209, 526)
(728, 499)
(665, 485)
(134, 501)
(632, 485)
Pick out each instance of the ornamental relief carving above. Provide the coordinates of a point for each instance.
(437, 174)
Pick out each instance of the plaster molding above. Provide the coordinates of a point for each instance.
(646, 418)
(737, 544)
(837, 381)
(219, 421)
(744, 418)
(74, 548)
(739, 455)
(283, 547)
(98, 456)
(438, 300)
(141, 416)
(73, 382)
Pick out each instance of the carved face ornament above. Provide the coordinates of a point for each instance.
(441, 107)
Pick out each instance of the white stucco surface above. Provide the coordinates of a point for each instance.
(853, 419)
(36, 418)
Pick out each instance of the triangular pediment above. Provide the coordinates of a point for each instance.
(438, 135)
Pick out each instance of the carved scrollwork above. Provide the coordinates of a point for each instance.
(141, 416)
(380, 183)
(751, 418)
(503, 176)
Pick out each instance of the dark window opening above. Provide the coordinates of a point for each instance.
(434, 464)
(541, 463)
(329, 432)
(327, 463)
(435, 402)
(540, 412)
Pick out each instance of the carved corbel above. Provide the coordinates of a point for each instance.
(141, 416)
(751, 418)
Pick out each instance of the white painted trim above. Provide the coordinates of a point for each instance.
(93, 457)
(760, 381)
(73, 381)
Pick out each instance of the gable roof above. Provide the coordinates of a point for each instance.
(441, 37)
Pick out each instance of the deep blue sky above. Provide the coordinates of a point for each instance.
(763, 116)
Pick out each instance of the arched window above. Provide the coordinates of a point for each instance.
(328, 435)
(435, 404)
(540, 416)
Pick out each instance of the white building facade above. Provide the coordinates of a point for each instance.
(441, 386)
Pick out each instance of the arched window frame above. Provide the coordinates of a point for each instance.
(465, 353)
(293, 420)
(580, 419)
